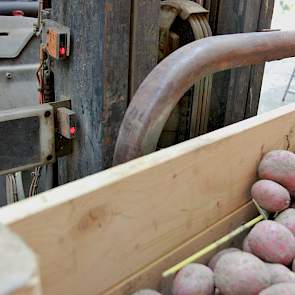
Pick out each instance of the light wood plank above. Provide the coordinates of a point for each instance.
(95, 232)
(150, 276)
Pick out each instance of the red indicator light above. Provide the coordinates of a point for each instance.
(73, 131)
(18, 13)
(62, 51)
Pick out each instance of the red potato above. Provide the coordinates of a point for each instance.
(246, 246)
(194, 279)
(280, 273)
(241, 273)
(270, 195)
(287, 218)
(272, 242)
(279, 166)
(146, 292)
(216, 257)
(280, 289)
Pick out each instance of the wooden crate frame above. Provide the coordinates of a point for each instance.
(116, 231)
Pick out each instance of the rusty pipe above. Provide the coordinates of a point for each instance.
(165, 85)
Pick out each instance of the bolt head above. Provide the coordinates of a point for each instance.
(8, 76)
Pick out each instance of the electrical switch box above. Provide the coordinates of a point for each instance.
(57, 40)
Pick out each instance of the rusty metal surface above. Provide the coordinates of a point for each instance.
(160, 92)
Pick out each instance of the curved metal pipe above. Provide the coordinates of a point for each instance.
(166, 84)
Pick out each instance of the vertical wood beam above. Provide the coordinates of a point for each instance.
(236, 93)
(95, 78)
(144, 40)
(257, 72)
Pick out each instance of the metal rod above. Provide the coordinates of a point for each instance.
(212, 246)
(263, 216)
(157, 96)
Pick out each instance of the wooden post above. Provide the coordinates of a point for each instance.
(19, 272)
(95, 78)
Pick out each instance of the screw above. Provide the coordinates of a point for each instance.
(8, 76)
(47, 114)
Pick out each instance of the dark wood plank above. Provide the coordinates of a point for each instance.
(95, 78)
(144, 40)
(245, 16)
(213, 7)
(257, 72)
(236, 93)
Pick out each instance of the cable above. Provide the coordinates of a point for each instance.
(35, 181)
(11, 191)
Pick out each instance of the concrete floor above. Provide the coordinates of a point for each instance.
(277, 73)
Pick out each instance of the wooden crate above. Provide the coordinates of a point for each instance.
(116, 231)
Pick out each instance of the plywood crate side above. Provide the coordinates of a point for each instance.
(94, 233)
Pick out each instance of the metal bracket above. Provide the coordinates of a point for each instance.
(56, 39)
(63, 145)
(170, 9)
(185, 8)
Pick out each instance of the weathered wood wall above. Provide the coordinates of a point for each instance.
(144, 40)
(235, 94)
(103, 69)
(115, 46)
(95, 78)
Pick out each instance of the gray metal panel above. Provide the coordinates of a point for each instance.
(18, 82)
(25, 130)
(15, 33)
(27, 138)
(20, 90)
(18, 86)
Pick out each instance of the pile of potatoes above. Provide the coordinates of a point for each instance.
(266, 263)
